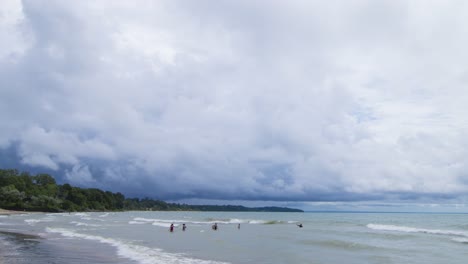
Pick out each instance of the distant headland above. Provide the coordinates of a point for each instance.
(25, 192)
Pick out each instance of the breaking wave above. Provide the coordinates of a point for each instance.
(35, 221)
(136, 223)
(460, 236)
(417, 230)
(83, 224)
(166, 223)
(463, 240)
(140, 254)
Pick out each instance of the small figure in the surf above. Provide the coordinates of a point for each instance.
(215, 226)
(171, 228)
(184, 227)
(300, 225)
(238, 226)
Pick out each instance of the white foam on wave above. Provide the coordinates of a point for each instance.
(104, 215)
(136, 223)
(247, 221)
(243, 221)
(407, 229)
(92, 219)
(233, 221)
(35, 221)
(167, 222)
(257, 222)
(141, 219)
(155, 222)
(236, 221)
(59, 214)
(83, 224)
(163, 224)
(460, 240)
(140, 254)
(81, 214)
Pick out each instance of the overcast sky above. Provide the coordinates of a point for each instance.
(299, 101)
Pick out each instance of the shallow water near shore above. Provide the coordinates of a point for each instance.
(144, 237)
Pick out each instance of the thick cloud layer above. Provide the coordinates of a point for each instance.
(247, 100)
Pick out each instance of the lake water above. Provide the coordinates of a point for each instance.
(144, 237)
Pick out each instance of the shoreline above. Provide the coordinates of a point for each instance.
(11, 212)
(15, 212)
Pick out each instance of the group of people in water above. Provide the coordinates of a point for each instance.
(214, 227)
(171, 228)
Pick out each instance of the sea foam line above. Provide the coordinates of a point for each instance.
(407, 229)
(136, 223)
(81, 214)
(460, 240)
(35, 221)
(210, 221)
(141, 254)
(82, 224)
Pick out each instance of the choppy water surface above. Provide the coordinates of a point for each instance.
(143, 237)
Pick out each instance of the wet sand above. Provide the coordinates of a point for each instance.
(15, 247)
(19, 245)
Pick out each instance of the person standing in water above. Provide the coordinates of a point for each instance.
(215, 226)
(171, 228)
(238, 226)
(184, 227)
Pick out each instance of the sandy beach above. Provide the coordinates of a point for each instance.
(10, 212)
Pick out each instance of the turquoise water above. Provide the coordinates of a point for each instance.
(144, 237)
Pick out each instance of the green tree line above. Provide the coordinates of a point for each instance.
(23, 191)
(40, 192)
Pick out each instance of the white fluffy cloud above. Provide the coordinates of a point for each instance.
(240, 99)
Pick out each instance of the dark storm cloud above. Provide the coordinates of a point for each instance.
(244, 100)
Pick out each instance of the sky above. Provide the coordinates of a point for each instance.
(314, 104)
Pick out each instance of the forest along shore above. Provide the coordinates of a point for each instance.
(22, 191)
